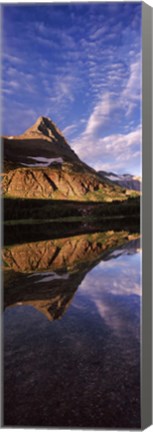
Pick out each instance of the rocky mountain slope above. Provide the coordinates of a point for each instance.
(127, 181)
(40, 164)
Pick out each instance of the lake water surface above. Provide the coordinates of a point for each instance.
(72, 332)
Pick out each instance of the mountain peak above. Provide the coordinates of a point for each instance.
(45, 126)
(44, 122)
(44, 142)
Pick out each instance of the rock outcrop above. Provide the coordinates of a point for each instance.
(64, 181)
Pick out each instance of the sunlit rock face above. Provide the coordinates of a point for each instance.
(46, 274)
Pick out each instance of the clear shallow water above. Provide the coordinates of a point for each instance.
(83, 369)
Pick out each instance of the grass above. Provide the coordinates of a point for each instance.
(64, 219)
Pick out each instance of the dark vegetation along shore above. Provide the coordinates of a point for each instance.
(43, 219)
(16, 209)
(30, 219)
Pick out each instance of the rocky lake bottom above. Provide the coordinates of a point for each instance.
(72, 330)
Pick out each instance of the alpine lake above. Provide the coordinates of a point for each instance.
(72, 299)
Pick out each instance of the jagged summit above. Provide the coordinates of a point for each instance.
(41, 144)
(45, 129)
(45, 126)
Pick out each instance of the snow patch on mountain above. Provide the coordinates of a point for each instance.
(42, 161)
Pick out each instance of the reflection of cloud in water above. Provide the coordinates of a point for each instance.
(88, 360)
(117, 277)
(114, 288)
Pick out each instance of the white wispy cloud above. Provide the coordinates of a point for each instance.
(48, 42)
(132, 93)
(14, 84)
(19, 81)
(67, 130)
(12, 58)
(115, 146)
(99, 32)
(7, 91)
(99, 116)
(102, 151)
(51, 36)
(62, 90)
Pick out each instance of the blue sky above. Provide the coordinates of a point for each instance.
(80, 65)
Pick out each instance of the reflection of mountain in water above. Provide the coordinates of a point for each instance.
(46, 274)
